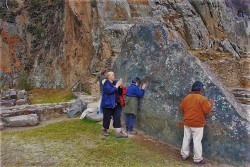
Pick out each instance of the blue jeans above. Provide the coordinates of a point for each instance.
(130, 122)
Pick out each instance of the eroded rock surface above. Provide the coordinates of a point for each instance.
(85, 36)
(155, 54)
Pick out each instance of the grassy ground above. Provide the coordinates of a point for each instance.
(40, 96)
(76, 143)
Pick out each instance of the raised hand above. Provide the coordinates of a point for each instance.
(119, 83)
(144, 86)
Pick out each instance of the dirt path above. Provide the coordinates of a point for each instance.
(165, 149)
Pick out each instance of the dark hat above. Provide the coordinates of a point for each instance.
(136, 79)
(197, 86)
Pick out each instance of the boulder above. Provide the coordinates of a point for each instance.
(9, 113)
(71, 113)
(22, 120)
(76, 109)
(154, 53)
(94, 116)
(5, 94)
(21, 102)
(7, 103)
(21, 94)
(89, 111)
(227, 47)
(13, 94)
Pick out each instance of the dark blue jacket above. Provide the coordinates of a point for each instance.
(134, 91)
(108, 95)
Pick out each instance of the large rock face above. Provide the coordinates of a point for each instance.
(85, 36)
(48, 42)
(160, 59)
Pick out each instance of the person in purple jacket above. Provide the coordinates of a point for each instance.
(134, 92)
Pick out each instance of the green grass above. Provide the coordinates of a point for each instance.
(41, 96)
(76, 143)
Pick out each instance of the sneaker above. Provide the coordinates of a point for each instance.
(200, 162)
(105, 132)
(121, 135)
(184, 159)
(131, 132)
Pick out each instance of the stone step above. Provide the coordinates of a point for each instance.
(244, 100)
(242, 95)
(241, 92)
(7, 103)
(245, 56)
(22, 120)
(13, 102)
(15, 114)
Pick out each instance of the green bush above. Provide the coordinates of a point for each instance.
(24, 84)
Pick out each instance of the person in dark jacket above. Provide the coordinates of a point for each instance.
(132, 103)
(111, 105)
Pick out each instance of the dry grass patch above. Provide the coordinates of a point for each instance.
(41, 96)
(205, 55)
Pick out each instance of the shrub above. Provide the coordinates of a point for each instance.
(24, 84)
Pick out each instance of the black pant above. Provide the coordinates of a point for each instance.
(115, 113)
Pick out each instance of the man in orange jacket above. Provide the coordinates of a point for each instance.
(194, 107)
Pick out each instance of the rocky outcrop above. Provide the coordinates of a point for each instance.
(155, 54)
(85, 36)
(54, 52)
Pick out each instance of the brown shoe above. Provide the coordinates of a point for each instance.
(105, 132)
(121, 135)
(200, 162)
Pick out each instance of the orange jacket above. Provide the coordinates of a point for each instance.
(194, 107)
